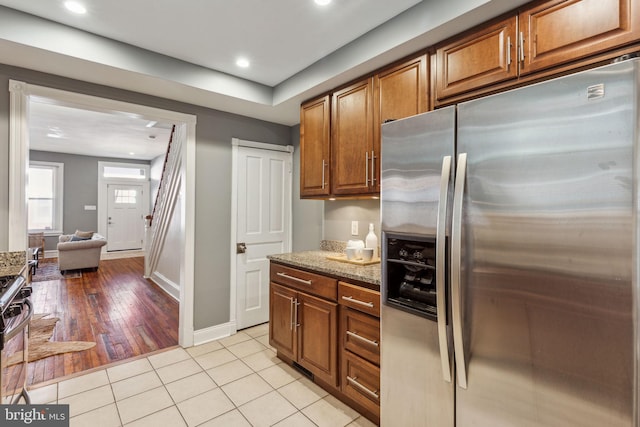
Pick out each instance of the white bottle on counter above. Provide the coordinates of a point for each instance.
(371, 241)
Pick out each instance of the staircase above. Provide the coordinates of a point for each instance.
(165, 202)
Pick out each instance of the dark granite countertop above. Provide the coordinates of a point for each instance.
(317, 261)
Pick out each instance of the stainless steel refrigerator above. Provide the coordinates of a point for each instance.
(510, 257)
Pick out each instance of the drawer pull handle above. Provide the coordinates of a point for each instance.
(286, 276)
(353, 300)
(354, 381)
(354, 335)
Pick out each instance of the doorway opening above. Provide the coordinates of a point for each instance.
(22, 94)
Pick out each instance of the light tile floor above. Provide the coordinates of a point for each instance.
(235, 381)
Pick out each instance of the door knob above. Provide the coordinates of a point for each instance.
(241, 248)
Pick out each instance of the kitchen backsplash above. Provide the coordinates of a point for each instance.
(338, 215)
(333, 245)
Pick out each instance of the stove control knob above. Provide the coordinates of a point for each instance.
(13, 310)
(26, 292)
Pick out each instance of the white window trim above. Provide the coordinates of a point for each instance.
(58, 197)
(102, 165)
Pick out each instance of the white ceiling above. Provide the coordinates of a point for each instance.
(279, 37)
(64, 129)
(186, 50)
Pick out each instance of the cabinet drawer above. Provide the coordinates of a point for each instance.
(310, 283)
(359, 298)
(360, 334)
(361, 381)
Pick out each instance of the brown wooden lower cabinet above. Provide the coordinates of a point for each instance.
(303, 328)
(339, 344)
(361, 381)
(360, 346)
(318, 337)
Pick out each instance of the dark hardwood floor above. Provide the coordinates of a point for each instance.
(123, 313)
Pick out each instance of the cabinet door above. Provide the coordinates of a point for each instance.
(400, 91)
(282, 326)
(560, 31)
(318, 330)
(481, 58)
(352, 139)
(315, 152)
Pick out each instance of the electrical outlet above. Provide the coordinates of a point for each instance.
(354, 228)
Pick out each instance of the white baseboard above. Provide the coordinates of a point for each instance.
(172, 289)
(53, 253)
(213, 333)
(122, 254)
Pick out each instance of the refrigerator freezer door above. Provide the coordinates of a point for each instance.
(412, 153)
(413, 392)
(412, 367)
(548, 250)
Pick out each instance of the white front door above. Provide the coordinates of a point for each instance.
(125, 222)
(263, 227)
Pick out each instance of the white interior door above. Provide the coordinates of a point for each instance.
(125, 222)
(263, 227)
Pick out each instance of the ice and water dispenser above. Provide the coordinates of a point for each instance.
(409, 269)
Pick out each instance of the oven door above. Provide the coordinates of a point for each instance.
(14, 357)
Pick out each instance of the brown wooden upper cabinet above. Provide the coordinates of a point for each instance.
(315, 153)
(559, 31)
(480, 58)
(541, 36)
(353, 157)
(399, 91)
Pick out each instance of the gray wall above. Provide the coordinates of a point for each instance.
(338, 215)
(80, 189)
(214, 131)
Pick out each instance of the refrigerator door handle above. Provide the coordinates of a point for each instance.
(445, 358)
(456, 249)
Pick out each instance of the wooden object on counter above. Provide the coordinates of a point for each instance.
(343, 258)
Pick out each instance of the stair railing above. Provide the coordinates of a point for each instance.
(166, 197)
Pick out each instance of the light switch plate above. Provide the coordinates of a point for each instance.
(354, 228)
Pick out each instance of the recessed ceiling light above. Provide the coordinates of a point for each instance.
(132, 153)
(55, 132)
(242, 62)
(323, 2)
(75, 7)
